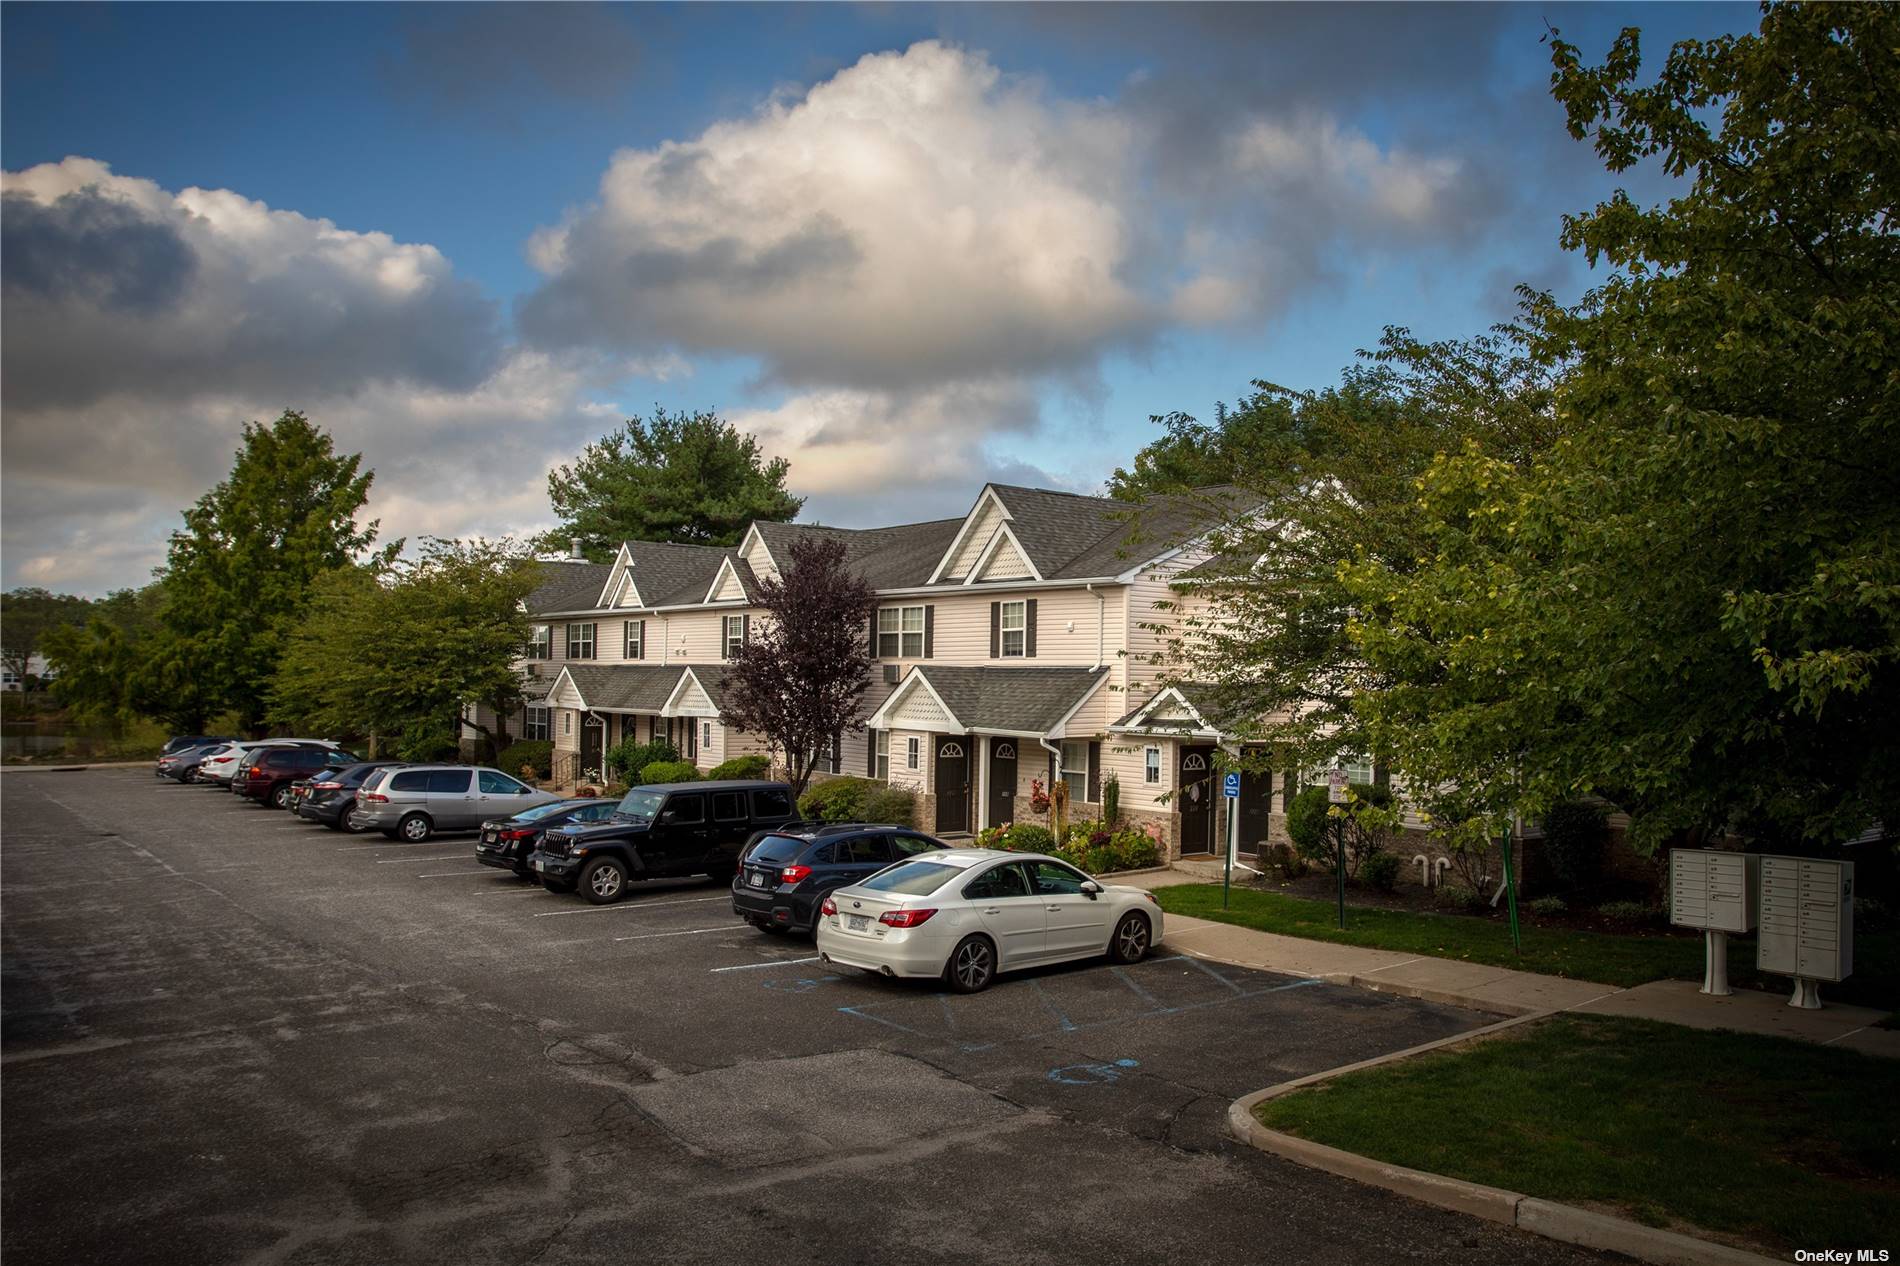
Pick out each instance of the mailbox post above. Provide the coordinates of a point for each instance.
(1714, 890)
(1807, 923)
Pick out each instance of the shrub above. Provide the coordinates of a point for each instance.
(1459, 897)
(1573, 843)
(1112, 800)
(669, 771)
(614, 790)
(1027, 837)
(836, 799)
(1291, 864)
(1308, 826)
(1381, 871)
(536, 753)
(1549, 907)
(628, 758)
(891, 806)
(740, 767)
(1626, 913)
(1315, 830)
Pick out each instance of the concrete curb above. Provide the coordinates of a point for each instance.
(78, 768)
(1539, 1217)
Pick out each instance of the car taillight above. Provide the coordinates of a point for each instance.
(518, 834)
(374, 797)
(325, 786)
(792, 874)
(830, 907)
(1150, 895)
(257, 769)
(904, 918)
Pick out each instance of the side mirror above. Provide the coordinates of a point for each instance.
(1091, 888)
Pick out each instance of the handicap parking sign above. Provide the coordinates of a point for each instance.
(1230, 785)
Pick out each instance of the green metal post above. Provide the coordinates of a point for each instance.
(1510, 898)
(1339, 866)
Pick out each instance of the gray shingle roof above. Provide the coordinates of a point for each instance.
(899, 557)
(624, 687)
(670, 575)
(1209, 701)
(1069, 536)
(568, 586)
(1030, 700)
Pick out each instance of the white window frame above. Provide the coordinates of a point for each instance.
(883, 766)
(900, 632)
(1077, 776)
(1019, 609)
(734, 630)
(541, 641)
(911, 753)
(588, 639)
(1151, 766)
(567, 724)
(705, 735)
(534, 725)
(1354, 767)
(633, 636)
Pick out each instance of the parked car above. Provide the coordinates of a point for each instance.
(330, 797)
(219, 768)
(414, 802)
(686, 828)
(183, 742)
(182, 765)
(509, 842)
(784, 876)
(266, 772)
(964, 915)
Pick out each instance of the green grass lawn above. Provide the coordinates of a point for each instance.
(1608, 958)
(1784, 1144)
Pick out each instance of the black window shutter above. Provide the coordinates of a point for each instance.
(873, 643)
(870, 753)
(1095, 773)
(745, 627)
(1381, 776)
(996, 630)
(1029, 629)
(930, 629)
(643, 639)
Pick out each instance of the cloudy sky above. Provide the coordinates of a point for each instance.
(910, 247)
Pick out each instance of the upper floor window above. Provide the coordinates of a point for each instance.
(580, 641)
(900, 632)
(1015, 630)
(735, 635)
(540, 643)
(534, 726)
(636, 638)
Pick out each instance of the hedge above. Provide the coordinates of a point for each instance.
(627, 758)
(837, 799)
(538, 753)
(669, 771)
(740, 767)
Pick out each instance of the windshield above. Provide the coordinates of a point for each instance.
(547, 810)
(640, 805)
(913, 879)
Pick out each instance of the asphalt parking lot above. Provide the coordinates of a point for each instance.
(230, 1036)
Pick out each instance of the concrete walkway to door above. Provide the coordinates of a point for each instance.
(1506, 992)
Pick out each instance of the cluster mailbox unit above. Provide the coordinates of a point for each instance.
(1715, 891)
(1807, 923)
(1803, 908)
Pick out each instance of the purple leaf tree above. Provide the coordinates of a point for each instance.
(798, 679)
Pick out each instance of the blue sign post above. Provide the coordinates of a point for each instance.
(1230, 787)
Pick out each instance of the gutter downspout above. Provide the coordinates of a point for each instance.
(1101, 622)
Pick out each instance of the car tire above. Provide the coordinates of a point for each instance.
(604, 881)
(1132, 939)
(972, 965)
(415, 827)
(339, 823)
(280, 798)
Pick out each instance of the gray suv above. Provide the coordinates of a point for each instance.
(413, 802)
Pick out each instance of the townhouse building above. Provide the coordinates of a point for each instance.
(1016, 644)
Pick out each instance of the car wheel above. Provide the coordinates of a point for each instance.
(972, 965)
(280, 798)
(604, 881)
(416, 828)
(1130, 942)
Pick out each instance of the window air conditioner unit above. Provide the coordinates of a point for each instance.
(890, 674)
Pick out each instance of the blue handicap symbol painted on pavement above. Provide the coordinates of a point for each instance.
(804, 985)
(1091, 1074)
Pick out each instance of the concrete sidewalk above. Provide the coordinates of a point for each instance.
(1501, 991)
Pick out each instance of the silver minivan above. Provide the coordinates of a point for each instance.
(413, 802)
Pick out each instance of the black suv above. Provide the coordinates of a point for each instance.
(331, 796)
(681, 828)
(785, 876)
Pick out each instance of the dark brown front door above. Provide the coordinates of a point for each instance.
(1256, 803)
(593, 745)
(953, 784)
(1195, 799)
(1002, 778)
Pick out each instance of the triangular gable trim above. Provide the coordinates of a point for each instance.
(676, 708)
(617, 579)
(969, 521)
(1140, 721)
(1061, 728)
(1002, 533)
(547, 700)
(880, 720)
(726, 568)
(752, 533)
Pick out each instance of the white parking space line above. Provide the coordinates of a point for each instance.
(444, 874)
(650, 936)
(516, 892)
(364, 848)
(398, 861)
(623, 907)
(777, 962)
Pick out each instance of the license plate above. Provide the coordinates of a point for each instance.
(858, 922)
(756, 880)
(488, 837)
(540, 863)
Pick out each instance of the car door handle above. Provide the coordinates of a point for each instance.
(1052, 908)
(992, 910)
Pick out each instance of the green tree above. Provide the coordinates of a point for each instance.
(123, 662)
(692, 478)
(400, 649)
(240, 572)
(1691, 606)
(26, 616)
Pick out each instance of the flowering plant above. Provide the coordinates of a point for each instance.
(1038, 796)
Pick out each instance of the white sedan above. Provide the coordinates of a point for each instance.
(966, 914)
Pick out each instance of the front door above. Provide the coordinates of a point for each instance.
(593, 745)
(1002, 778)
(1196, 799)
(1256, 803)
(953, 784)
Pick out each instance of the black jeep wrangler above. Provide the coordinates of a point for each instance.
(682, 828)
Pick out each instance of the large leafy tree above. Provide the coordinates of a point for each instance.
(399, 650)
(691, 478)
(122, 662)
(27, 615)
(240, 571)
(1691, 606)
(798, 679)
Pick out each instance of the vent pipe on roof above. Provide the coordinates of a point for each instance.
(574, 550)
